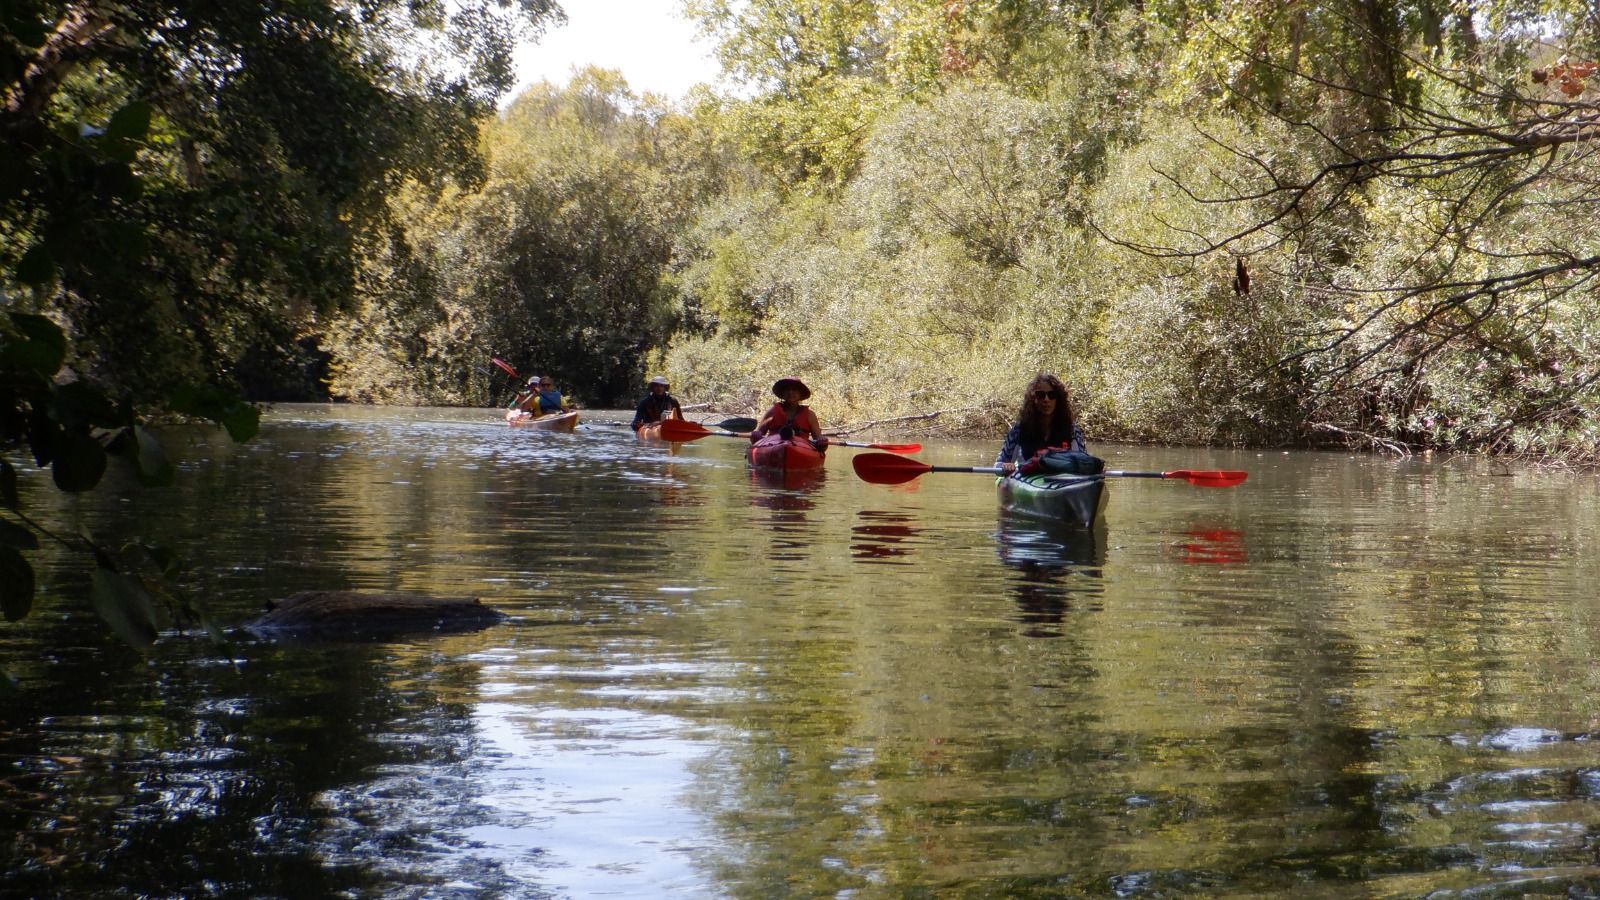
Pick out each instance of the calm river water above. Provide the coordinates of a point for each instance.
(1348, 677)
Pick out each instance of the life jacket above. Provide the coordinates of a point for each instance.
(1062, 461)
(549, 402)
(782, 420)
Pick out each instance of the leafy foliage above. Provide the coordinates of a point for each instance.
(183, 197)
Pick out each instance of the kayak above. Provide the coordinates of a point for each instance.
(566, 421)
(1075, 500)
(775, 454)
(650, 431)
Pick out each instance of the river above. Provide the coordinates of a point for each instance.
(1349, 676)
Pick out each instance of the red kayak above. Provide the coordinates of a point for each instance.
(774, 454)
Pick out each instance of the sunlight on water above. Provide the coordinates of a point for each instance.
(1349, 676)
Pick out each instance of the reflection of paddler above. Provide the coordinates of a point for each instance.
(1046, 556)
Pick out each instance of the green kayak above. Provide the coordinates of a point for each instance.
(1075, 500)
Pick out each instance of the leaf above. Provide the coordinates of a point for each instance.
(131, 122)
(16, 584)
(124, 605)
(243, 422)
(163, 557)
(37, 268)
(8, 485)
(241, 419)
(17, 537)
(155, 470)
(42, 348)
(79, 462)
(80, 404)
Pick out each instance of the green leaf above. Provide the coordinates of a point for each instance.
(8, 485)
(17, 537)
(16, 584)
(155, 470)
(80, 404)
(164, 558)
(130, 122)
(79, 463)
(42, 346)
(241, 419)
(243, 422)
(37, 268)
(125, 605)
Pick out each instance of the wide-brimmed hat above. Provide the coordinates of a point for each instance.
(783, 384)
(661, 380)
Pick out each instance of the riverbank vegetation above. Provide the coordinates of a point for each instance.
(1348, 222)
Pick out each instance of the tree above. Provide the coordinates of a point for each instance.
(1440, 207)
(184, 189)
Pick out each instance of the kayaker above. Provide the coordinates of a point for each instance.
(789, 416)
(1045, 422)
(525, 398)
(657, 405)
(550, 399)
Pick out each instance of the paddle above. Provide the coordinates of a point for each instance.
(679, 430)
(886, 468)
(504, 366)
(739, 423)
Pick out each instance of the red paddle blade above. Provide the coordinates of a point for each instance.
(898, 448)
(1218, 478)
(682, 430)
(504, 366)
(886, 468)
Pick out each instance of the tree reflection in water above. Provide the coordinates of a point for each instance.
(1058, 569)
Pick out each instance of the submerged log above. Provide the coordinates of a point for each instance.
(351, 615)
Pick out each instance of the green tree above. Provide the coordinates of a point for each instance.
(184, 190)
(558, 262)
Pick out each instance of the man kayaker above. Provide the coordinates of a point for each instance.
(1045, 422)
(525, 399)
(657, 405)
(789, 417)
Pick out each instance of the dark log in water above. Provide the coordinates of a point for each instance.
(346, 614)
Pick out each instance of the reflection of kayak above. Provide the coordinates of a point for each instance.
(566, 421)
(788, 479)
(1075, 500)
(775, 454)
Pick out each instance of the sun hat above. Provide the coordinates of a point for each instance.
(783, 384)
(661, 380)
(533, 380)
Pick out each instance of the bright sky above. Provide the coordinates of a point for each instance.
(648, 40)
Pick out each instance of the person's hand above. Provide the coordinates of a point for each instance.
(1008, 468)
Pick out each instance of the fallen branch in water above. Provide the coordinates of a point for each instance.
(1367, 441)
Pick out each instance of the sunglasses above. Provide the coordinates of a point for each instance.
(1046, 395)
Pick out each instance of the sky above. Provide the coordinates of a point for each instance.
(648, 40)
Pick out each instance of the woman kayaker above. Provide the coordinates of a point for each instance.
(550, 399)
(789, 416)
(1045, 422)
(656, 405)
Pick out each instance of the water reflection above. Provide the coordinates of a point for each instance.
(883, 537)
(1209, 545)
(1058, 569)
